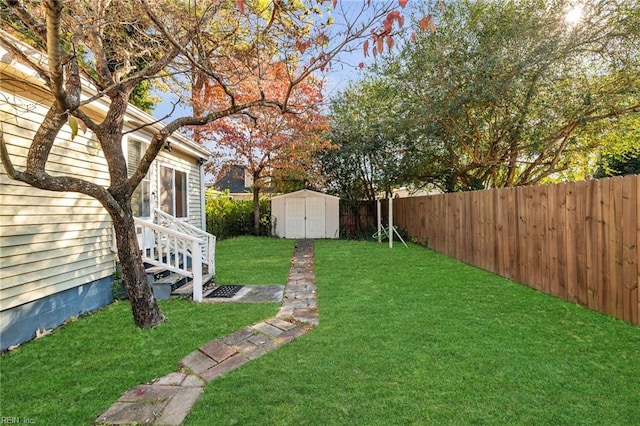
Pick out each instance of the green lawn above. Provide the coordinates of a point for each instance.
(73, 375)
(407, 336)
(253, 260)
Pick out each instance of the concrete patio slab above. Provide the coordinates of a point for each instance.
(252, 294)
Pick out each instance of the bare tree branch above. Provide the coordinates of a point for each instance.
(24, 57)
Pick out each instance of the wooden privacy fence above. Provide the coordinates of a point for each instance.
(577, 241)
(357, 219)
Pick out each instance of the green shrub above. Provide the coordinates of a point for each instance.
(117, 286)
(228, 218)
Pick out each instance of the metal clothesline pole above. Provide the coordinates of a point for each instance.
(379, 206)
(391, 222)
(382, 229)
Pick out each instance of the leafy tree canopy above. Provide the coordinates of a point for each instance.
(274, 147)
(366, 155)
(497, 92)
(620, 149)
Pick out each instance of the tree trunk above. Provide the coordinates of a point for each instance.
(256, 210)
(146, 313)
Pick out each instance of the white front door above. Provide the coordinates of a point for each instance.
(314, 226)
(295, 214)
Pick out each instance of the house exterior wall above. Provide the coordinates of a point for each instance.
(56, 258)
(50, 242)
(184, 163)
(20, 323)
(194, 182)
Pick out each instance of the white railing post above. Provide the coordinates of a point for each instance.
(171, 244)
(211, 255)
(196, 268)
(208, 241)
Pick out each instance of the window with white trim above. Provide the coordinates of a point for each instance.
(173, 192)
(141, 198)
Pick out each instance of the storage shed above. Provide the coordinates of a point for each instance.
(305, 214)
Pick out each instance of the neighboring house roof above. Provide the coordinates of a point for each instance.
(235, 180)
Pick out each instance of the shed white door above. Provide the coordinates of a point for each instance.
(295, 214)
(305, 217)
(314, 224)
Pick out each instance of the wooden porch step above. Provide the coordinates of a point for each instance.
(155, 270)
(172, 279)
(187, 289)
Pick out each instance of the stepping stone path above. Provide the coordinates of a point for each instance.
(169, 399)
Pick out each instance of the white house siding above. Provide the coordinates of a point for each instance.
(50, 242)
(56, 258)
(49, 239)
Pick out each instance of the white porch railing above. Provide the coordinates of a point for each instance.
(208, 247)
(170, 243)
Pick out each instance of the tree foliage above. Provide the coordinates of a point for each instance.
(227, 218)
(497, 94)
(271, 145)
(619, 149)
(366, 156)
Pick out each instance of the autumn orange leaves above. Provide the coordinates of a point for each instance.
(380, 37)
(385, 35)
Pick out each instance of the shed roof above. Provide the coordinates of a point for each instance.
(303, 193)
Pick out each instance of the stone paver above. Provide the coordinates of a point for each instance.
(263, 342)
(268, 329)
(123, 413)
(239, 336)
(173, 379)
(193, 381)
(282, 325)
(224, 367)
(217, 350)
(179, 407)
(169, 399)
(290, 335)
(197, 362)
(249, 350)
(252, 294)
(149, 393)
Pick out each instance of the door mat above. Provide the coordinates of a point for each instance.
(227, 291)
